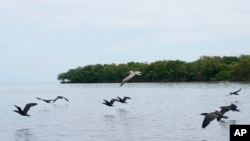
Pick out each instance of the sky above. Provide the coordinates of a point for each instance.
(43, 38)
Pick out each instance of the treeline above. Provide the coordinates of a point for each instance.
(206, 68)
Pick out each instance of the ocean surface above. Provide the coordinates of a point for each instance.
(155, 112)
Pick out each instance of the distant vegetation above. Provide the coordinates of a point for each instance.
(206, 68)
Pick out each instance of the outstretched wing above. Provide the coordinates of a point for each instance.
(60, 97)
(238, 90)
(65, 98)
(205, 122)
(126, 79)
(224, 109)
(126, 97)
(55, 99)
(18, 108)
(120, 99)
(112, 101)
(27, 107)
(137, 72)
(208, 118)
(105, 101)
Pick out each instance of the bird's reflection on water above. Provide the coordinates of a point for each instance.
(122, 111)
(25, 135)
(109, 117)
(227, 123)
(61, 106)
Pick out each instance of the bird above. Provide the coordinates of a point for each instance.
(231, 107)
(130, 76)
(45, 100)
(60, 97)
(211, 116)
(235, 92)
(25, 110)
(109, 103)
(123, 100)
(225, 109)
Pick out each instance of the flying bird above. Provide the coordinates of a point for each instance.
(123, 100)
(211, 116)
(225, 109)
(130, 76)
(235, 92)
(231, 107)
(109, 103)
(60, 97)
(25, 109)
(45, 100)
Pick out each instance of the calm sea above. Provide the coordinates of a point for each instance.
(156, 111)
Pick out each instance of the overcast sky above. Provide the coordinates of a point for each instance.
(41, 38)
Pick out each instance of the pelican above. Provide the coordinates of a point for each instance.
(130, 76)
(25, 109)
(211, 116)
(225, 109)
(109, 103)
(45, 100)
(123, 100)
(60, 97)
(231, 107)
(235, 92)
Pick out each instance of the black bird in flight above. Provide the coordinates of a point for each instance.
(123, 100)
(45, 100)
(235, 92)
(25, 109)
(231, 107)
(109, 103)
(225, 109)
(211, 116)
(60, 97)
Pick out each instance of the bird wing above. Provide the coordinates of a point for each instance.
(126, 97)
(105, 100)
(65, 98)
(55, 99)
(112, 101)
(38, 98)
(208, 118)
(27, 107)
(235, 92)
(126, 79)
(205, 122)
(18, 108)
(137, 72)
(238, 90)
(119, 98)
(224, 109)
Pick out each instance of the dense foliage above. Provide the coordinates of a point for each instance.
(227, 68)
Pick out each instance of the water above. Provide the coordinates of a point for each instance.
(156, 112)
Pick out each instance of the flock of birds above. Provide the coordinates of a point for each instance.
(207, 119)
(24, 111)
(220, 114)
(112, 101)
